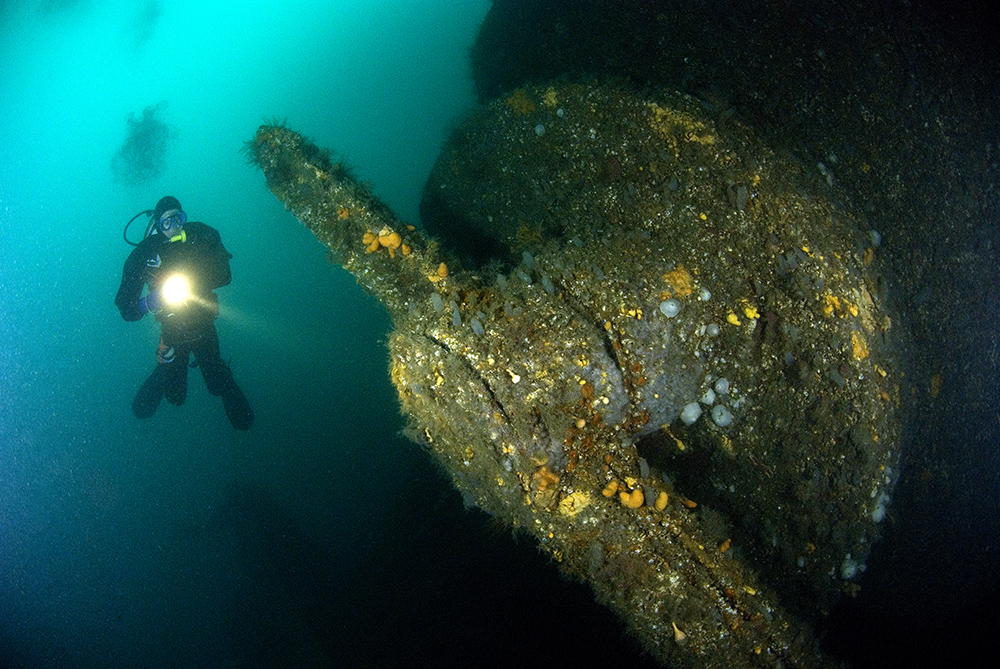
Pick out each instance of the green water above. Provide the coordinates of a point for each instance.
(177, 541)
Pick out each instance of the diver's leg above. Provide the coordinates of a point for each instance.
(175, 371)
(150, 393)
(219, 380)
(207, 358)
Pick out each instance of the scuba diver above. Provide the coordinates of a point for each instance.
(182, 262)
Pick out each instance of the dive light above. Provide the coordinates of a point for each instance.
(176, 290)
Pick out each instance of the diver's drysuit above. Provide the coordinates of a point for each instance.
(199, 256)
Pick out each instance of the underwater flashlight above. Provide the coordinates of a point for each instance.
(176, 290)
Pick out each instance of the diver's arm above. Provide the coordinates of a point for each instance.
(133, 277)
(215, 270)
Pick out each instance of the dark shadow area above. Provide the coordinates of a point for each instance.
(289, 591)
(142, 157)
(432, 581)
(474, 246)
(449, 586)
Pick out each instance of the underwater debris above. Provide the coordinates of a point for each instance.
(553, 394)
(142, 157)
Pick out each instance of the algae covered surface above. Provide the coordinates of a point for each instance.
(608, 267)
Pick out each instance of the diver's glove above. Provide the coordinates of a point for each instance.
(150, 302)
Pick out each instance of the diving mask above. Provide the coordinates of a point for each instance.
(171, 221)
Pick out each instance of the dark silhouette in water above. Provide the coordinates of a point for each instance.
(189, 256)
(142, 157)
